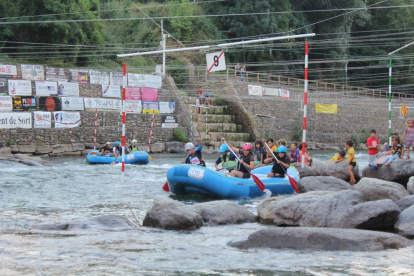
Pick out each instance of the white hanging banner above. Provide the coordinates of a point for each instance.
(116, 78)
(284, 94)
(68, 89)
(153, 81)
(8, 70)
(20, 87)
(100, 103)
(271, 91)
(46, 88)
(16, 120)
(111, 91)
(216, 61)
(98, 77)
(6, 103)
(167, 107)
(33, 72)
(72, 104)
(255, 90)
(141, 80)
(42, 119)
(133, 106)
(66, 119)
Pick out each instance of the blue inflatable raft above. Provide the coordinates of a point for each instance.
(191, 179)
(137, 157)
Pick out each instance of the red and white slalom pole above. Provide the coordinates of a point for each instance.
(152, 126)
(124, 84)
(305, 104)
(96, 128)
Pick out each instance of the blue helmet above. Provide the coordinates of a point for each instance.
(281, 149)
(117, 143)
(223, 148)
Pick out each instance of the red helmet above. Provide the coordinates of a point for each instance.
(247, 146)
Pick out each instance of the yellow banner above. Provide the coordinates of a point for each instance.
(404, 110)
(326, 108)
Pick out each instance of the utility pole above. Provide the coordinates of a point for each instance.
(163, 48)
(346, 75)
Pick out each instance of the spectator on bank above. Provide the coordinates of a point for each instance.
(237, 70)
(200, 95)
(351, 161)
(373, 147)
(308, 159)
(408, 136)
(242, 72)
(207, 98)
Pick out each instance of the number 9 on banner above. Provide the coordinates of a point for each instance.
(215, 62)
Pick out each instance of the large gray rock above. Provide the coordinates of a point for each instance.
(317, 164)
(376, 189)
(410, 186)
(32, 160)
(177, 150)
(306, 171)
(5, 152)
(405, 223)
(265, 209)
(172, 215)
(344, 209)
(62, 148)
(157, 147)
(339, 170)
(43, 149)
(405, 202)
(322, 183)
(78, 146)
(399, 171)
(26, 148)
(322, 239)
(172, 145)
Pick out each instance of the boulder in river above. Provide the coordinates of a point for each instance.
(410, 185)
(376, 189)
(306, 171)
(339, 170)
(405, 202)
(322, 183)
(399, 171)
(405, 223)
(322, 239)
(345, 209)
(265, 209)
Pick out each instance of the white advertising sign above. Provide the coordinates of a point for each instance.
(271, 91)
(116, 78)
(167, 107)
(72, 104)
(66, 119)
(111, 91)
(33, 72)
(68, 89)
(6, 103)
(16, 120)
(133, 106)
(141, 80)
(98, 77)
(99, 103)
(216, 62)
(42, 119)
(284, 94)
(153, 81)
(8, 70)
(255, 90)
(46, 88)
(20, 87)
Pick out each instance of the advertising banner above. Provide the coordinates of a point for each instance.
(133, 106)
(167, 107)
(33, 72)
(111, 91)
(149, 94)
(24, 103)
(271, 91)
(255, 90)
(68, 89)
(46, 88)
(326, 108)
(16, 120)
(8, 70)
(72, 104)
(116, 78)
(3, 87)
(99, 103)
(67, 119)
(98, 77)
(50, 104)
(6, 104)
(79, 76)
(42, 119)
(169, 121)
(149, 107)
(132, 93)
(20, 87)
(153, 81)
(284, 94)
(137, 80)
(56, 74)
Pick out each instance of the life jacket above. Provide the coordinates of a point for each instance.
(195, 159)
(133, 148)
(246, 159)
(226, 163)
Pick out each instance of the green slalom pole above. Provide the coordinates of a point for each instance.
(389, 104)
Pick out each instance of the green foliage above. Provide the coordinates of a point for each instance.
(176, 69)
(12, 142)
(219, 100)
(40, 142)
(179, 135)
(357, 140)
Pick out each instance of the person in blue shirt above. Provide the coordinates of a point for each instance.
(294, 153)
(259, 153)
(194, 155)
(227, 159)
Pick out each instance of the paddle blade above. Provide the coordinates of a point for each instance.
(165, 187)
(150, 157)
(95, 153)
(294, 184)
(258, 182)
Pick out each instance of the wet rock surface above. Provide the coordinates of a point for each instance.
(339, 170)
(265, 209)
(405, 223)
(322, 183)
(399, 171)
(376, 189)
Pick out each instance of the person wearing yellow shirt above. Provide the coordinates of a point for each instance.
(351, 161)
(340, 156)
(269, 159)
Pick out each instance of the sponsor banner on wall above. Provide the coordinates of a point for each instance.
(255, 90)
(79, 76)
(50, 104)
(33, 72)
(3, 87)
(153, 81)
(25, 103)
(6, 103)
(150, 107)
(46, 88)
(111, 91)
(20, 87)
(56, 74)
(271, 91)
(284, 94)
(66, 119)
(98, 77)
(326, 108)
(116, 78)
(100, 103)
(141, 80)
(8, 70)
(68, 89)
(42, 119)
(72, 104)
(167, 107)
(149, 94)
(132, 93)
(16, 120)
(133, 106)
(169, 121)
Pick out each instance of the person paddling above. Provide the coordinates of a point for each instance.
(227, 159)
(246, 162)
(194, 155)
(282, 163)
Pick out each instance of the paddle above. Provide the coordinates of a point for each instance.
(292, 181)
(165, 187)
(258, 182)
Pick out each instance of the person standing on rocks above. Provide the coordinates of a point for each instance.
(408, 136)
(351, 161)
(373, 147)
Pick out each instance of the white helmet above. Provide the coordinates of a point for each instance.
(189, 146)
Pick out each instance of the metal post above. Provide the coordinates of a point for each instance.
(163, 48)
(389, 104)
(346, 75)
(96, 127)
(305, 104)
(124, 84)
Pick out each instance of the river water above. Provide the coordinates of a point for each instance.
(31, 196)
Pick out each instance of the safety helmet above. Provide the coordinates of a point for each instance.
(247, 146)
(134, 141)
(281, 149)
(223, 148)
(117, 143)
(107, 143)
(189, 146)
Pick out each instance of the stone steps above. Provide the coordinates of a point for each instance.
(218, 127)
(220, 110)
(216, 136)
(201, 118)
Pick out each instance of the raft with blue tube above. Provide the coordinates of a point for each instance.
(137, 157)
(192, 179)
